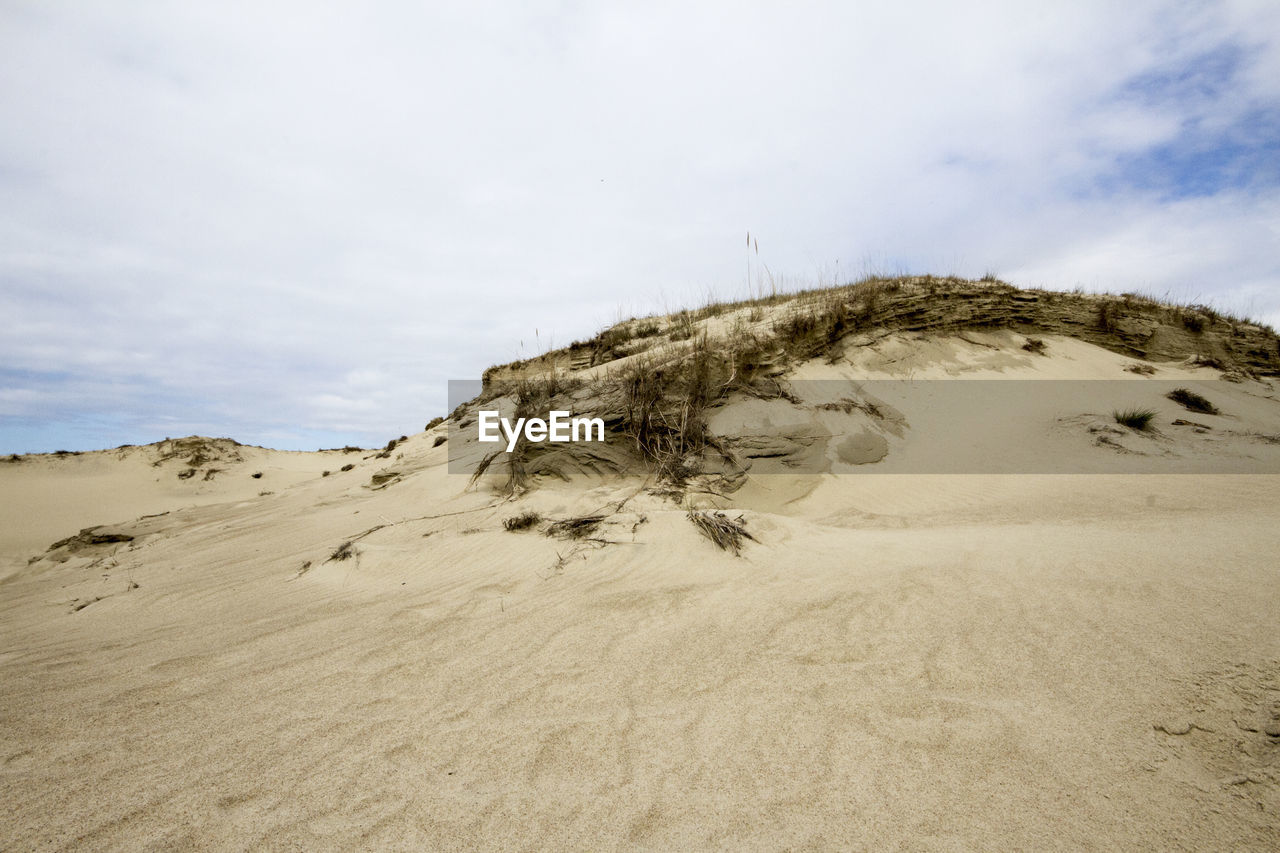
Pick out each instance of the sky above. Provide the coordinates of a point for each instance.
(293, 223)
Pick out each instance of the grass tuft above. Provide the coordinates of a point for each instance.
(575, 528)
(523, 521)
(345, 551)
(1134, 418)
(1191, 401)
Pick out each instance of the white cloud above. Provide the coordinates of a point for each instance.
(298, 219)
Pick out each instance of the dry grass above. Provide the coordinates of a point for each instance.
(1191, 401)
(534, 397)
(575, 528)
(345, 551)
(664, 406)
(726, 532)
(523, 521)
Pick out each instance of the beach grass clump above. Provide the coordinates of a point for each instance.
(1135, 418)
(726, 532)
(345, 551)
(580, 527)
(1108, 314)
(1194, 322)
(682, 327)
(523, 521)
(1191, 401)
(664, 405)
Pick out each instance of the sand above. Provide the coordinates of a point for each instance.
(902, 661)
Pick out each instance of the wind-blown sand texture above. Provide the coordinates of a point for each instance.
(901, 661)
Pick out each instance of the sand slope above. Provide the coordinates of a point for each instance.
(902, 661)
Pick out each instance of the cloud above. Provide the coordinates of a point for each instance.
(293, 225)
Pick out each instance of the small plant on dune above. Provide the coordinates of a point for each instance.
(523, 521)
(682, 327)
(1034, 345)
(664, 406)
(433, 423)
(347, 467)
(440, 439)
(345, 551)
(1107, 314)
(575, 528)
(1191, 401)
(726, 532)
(1141, 369)
(1135, 418)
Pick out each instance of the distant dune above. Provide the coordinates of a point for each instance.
(805, 595)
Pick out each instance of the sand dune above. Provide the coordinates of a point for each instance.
(897, 661)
